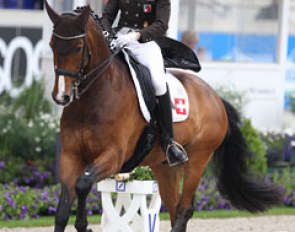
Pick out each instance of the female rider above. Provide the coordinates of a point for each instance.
(140, 23)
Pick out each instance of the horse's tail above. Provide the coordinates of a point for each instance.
(235, 182)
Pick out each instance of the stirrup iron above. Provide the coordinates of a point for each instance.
(176, 162)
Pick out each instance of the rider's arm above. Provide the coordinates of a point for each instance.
(160, 24)
(109, 14)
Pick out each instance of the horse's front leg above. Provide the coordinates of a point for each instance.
(63, 210)
(69, 172)
(104, 166)
(83, 187)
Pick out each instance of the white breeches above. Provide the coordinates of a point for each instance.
(149, 54)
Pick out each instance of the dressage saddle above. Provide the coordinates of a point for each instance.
(177, 54)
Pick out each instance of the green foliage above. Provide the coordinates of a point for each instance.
(278, 146)
(285, 178)
(17, 203)
(141, 173)
(29, 140)
(258, 162)
(291, 96)
(27, 133)
(29, 103)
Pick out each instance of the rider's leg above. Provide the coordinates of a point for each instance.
(174, 152)
(149, 54)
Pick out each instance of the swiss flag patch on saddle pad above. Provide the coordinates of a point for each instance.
(179, 98)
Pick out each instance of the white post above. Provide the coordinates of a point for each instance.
(173, 23)
(282, 48)
(136, 208)
(284, 13)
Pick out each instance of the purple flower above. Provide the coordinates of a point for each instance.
(44, 195)
(287, 200)
(22, 189)
(51, 210)
(9, 200)
(89, 212)
(2, 165)
(24, 212)
(6, 217)
(221, 204)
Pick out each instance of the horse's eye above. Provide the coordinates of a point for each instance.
(78, 49)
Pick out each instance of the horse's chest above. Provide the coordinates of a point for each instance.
(86, 137)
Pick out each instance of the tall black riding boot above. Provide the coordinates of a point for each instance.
(175, 153)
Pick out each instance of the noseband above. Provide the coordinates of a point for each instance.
(81, 75)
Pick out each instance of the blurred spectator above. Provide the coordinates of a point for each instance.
(190, 38)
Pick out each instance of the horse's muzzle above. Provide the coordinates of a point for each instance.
(65, 100)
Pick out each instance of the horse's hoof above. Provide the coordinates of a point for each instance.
(89, 230)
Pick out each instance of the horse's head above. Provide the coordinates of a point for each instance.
(70, 50)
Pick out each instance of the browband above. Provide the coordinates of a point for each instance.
(69, 37)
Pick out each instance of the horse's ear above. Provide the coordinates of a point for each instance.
(81, 21)
(55, 17)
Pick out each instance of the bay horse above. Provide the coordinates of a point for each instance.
(101, 124)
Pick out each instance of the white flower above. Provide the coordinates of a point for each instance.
(38, 149)
(30, 124)
(51, 125)
(45, 116)
(289, 131)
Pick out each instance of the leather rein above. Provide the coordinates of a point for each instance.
(80, 75)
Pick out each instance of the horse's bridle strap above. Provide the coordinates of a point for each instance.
(69, 37)
(63, 72)
(101, 68)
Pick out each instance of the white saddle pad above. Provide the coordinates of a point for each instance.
(179, 97)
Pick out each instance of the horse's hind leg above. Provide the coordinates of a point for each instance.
(193, 171)
(168, 180)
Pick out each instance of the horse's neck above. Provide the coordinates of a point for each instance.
(106, 92)
(110, 87)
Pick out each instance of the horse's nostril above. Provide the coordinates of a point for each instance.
(66, 98)
(63, 100)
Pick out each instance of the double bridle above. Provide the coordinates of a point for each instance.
(81, 75)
